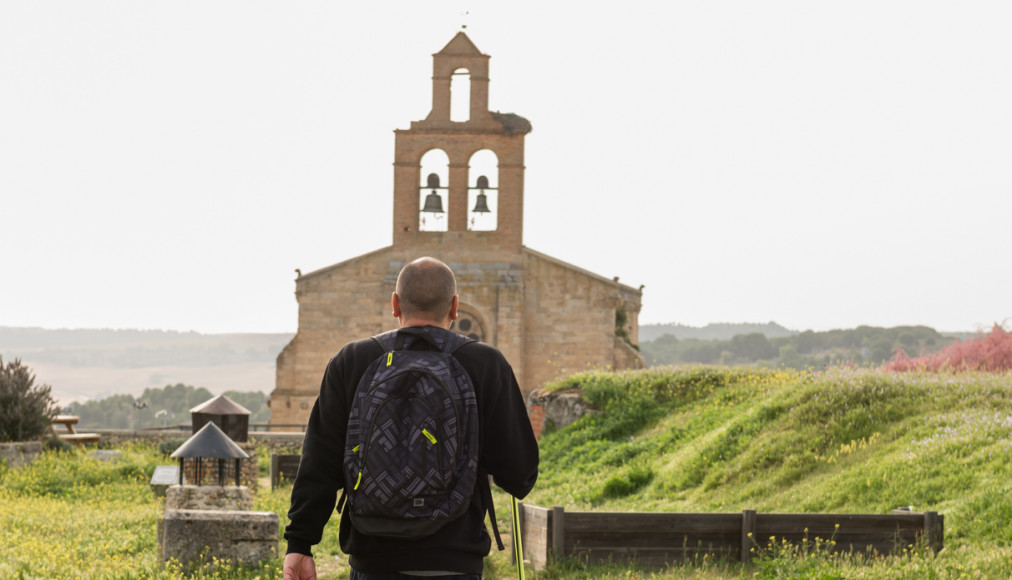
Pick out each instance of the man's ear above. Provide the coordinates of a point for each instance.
(395, 303)
(453, 307)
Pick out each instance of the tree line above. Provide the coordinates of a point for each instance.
(864, 345)
(160, 407)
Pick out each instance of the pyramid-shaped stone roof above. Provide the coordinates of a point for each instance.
(460, 44)
(220, 405)
(210, 441)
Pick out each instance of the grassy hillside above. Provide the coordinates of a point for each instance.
(713, 439)
(674, 439)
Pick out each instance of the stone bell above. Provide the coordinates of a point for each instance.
(481, 202)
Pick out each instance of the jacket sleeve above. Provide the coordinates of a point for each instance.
(320, 474)
(510, 451)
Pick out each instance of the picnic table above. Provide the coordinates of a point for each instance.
(69, 433)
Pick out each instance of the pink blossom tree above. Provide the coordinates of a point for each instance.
(985, 352)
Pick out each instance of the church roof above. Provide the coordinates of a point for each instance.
(523, 250)
(568, 266)
(342, 264)
(460, 44)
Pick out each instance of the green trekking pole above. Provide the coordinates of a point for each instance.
(518, 546)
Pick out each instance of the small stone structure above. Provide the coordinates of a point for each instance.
(230, 416)
(210, 456)
(193, 537)
(203, 523)
(556, 409)
(208, 498)
(163, 477)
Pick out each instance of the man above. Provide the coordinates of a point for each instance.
(426, 298)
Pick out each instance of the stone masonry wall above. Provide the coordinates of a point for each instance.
(569, 320)
(199, 538)
(208, 497)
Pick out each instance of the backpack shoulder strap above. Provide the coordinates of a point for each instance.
(443, 340)
(386, 340)
(486, 498)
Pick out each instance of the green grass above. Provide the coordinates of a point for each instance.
(672, 439)
(710, 439)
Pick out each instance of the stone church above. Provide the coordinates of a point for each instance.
(459, 197)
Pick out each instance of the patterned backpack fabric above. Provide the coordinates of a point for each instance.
(411, 457)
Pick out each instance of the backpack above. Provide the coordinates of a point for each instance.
(411, 451)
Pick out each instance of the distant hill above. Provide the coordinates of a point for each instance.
(137, 348)
(713, 331)
(87, 364)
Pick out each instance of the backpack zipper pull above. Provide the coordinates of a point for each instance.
(390, 358)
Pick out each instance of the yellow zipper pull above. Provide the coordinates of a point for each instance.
(429, 436)
(390, 358)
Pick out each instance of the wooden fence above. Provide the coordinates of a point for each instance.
(284, 466)
(655, 539)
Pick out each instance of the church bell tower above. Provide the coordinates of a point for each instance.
(459, 173)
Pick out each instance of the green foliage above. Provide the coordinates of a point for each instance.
(26, 409)
(56, 444)
(848, 440)
(863, 346)
(169, 446)
(627, 481)
(73, 516)
(712, 331)
(665, 439)
(166, 406)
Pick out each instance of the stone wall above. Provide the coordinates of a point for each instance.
(17, 454)
(280, 442)
(569, 320)
(208, 497)
(200, 537)
(554, 410)
(548, 318)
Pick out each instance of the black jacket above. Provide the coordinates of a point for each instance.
(508, 452)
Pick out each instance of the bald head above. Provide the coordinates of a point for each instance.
(426, 290)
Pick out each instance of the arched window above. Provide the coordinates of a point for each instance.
(483, 192)
(432, 192)
(460, 95)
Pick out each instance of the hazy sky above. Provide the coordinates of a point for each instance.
(819, 164)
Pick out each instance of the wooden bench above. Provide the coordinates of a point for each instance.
(70, 434)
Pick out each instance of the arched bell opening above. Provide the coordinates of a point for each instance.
(483, 192)
(460, 96)
(433, 200)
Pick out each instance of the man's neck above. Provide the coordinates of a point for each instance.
(414, 322)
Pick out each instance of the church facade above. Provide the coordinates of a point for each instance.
(458, 196)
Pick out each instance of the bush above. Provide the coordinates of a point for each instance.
(991, 353)
(26, 409)
(169, 446)
(56, 444)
